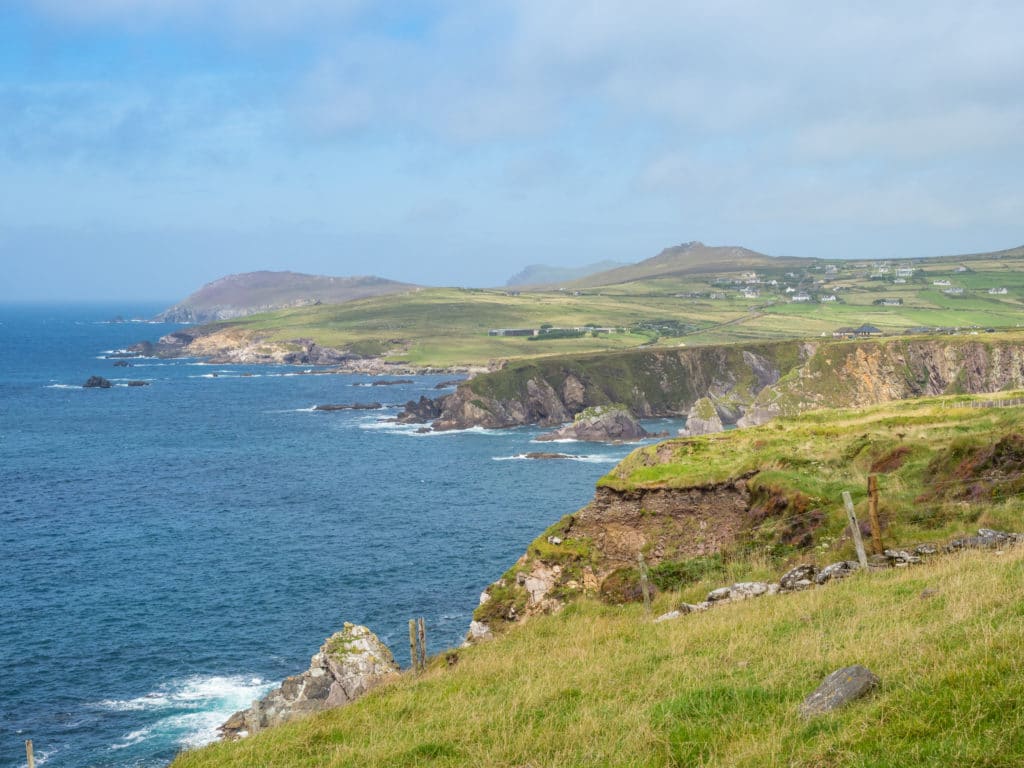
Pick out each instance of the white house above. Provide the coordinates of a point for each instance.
(942, 283)
(801, 297)
(997, 291)
(824, 299)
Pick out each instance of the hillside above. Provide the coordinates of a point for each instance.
(694, 258)
(448, 327)
(542, 274)
(600, 685)
(252, 292)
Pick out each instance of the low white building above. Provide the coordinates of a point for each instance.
(997, 291)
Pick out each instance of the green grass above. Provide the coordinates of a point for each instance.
(601, 686)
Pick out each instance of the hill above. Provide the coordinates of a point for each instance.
(694, 258)
(542, 274)
(596, 684)
(253, 292)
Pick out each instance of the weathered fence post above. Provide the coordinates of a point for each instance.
(422, 627)
(30, 754)
(414, 659)
(855, 530)
(645, 585)
(876, 526)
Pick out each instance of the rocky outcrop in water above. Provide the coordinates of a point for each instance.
(350, 663)
(602, 424)
(97, 382)
(702, 419)
(348, 407)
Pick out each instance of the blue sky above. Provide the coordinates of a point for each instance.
(149, 146)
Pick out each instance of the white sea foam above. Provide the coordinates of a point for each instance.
(189, 710)
(595, 459)
(559, 440)
(64, 386)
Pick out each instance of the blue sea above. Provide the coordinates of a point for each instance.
(169, 553)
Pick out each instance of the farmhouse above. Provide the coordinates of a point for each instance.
(512, 332)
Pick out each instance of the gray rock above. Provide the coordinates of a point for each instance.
(97, 382)
(703, 419)
(668, 616)
(478, 632)
(838, 689)
(602, 424)
(900, 558)
(926, 549)
(800, 577)
(719, 595)
(835, 571)
(349, 664)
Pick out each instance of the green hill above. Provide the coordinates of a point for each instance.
(542, 274)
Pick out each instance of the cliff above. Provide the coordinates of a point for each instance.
(747, 384)
(691, 506)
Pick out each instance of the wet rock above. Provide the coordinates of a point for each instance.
(836, 571)
(447, 384)
(97, 382)
(800, 577)
(349, 664)
(603, 424)
(839, 689)
(391, 382)
(122, 364)
(541, 455)
(348, 407)
(138, 383)
(421, 411)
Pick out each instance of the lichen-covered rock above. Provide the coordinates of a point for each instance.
(837, 571)
(800, 577)
(900, 558)
(602, 424)
(350, 663)
(703, 419)
(838, 689)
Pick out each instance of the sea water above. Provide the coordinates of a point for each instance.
(168, 553)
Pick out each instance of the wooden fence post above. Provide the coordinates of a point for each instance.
(422, 627)
(414, 659)
(30, 754)
(645, 586)
(876, 526)
(855, 530)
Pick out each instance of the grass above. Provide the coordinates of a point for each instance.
(601, 686)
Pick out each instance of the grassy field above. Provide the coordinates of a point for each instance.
(597, 685)
(449, 326)
(602, 686)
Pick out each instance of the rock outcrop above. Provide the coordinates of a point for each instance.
(97, 382)
(702, 419)
(839, 689)
(601, 424)
(349, 664)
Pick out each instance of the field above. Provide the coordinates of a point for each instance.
(449, 326)
(599, 685)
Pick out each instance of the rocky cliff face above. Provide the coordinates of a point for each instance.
(350, 663)
(746, 385)
(856, 374)
(601, 424)
(650, 383)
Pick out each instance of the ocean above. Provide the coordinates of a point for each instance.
(168, 553)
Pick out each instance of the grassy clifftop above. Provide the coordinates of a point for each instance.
(601, 686)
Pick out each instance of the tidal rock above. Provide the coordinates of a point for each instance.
(349, 664)
(391, 382)
(447, 384)
(601, 424)
(837, 571)
(122, 364)
(97, 382)
(800, 577)
(421, 411)
(138, 383)
(703, 419)
(348, 407)
(543, 455)
(838, 689)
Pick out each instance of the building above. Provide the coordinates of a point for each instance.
(997, 291)
(942, 283)
(826, 299)
(801, 297)
(904, 271)
(954, 291)
(750, 293)
(512, 332)
(888, 302)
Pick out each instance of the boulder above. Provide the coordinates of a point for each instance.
(349, 664)
(839, 689)
(703, 419)
(138, 383)
(97, 382)
(900, 558)
(800, 577)
(837, 571)
(421, 411)
(601, 424)
(544, 455)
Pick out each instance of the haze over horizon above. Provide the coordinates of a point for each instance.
(150, 146)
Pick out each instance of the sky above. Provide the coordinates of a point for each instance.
(150, 146)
